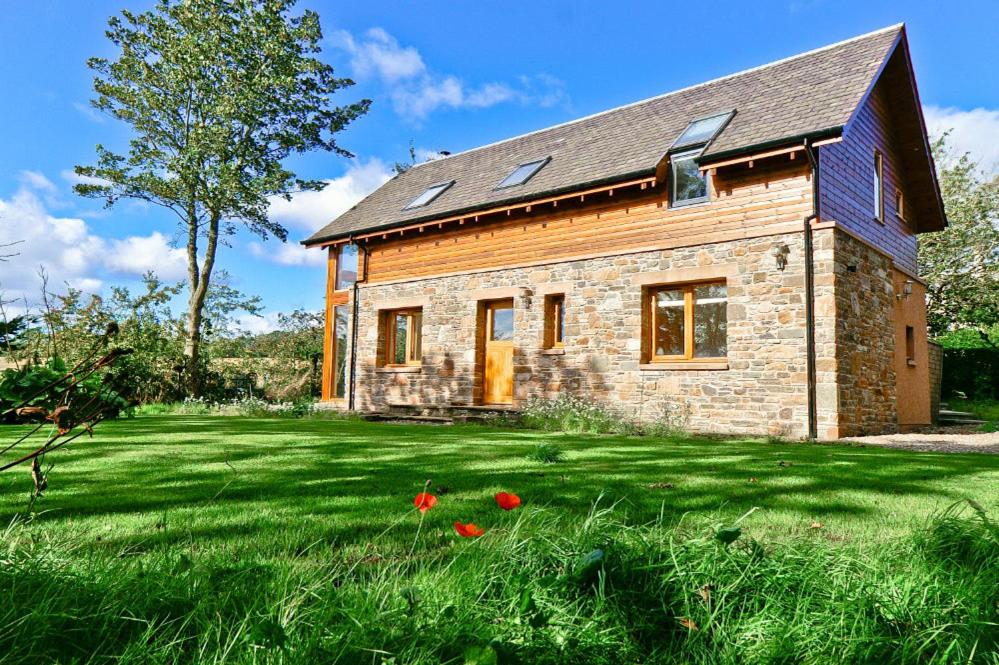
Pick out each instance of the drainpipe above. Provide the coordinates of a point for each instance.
(353, 324)
(813, 425)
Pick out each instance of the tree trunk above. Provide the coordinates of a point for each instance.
(199, 282)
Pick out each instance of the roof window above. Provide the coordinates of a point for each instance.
(702, 131)
(523, 173)
(428, 195)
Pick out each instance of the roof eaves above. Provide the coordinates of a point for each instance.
(318, 240)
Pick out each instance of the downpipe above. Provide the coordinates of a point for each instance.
(813, 425)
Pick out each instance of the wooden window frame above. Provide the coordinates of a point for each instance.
(879, 186)
(688, 322)
(910, 346)
(388, 320)
(900, 203)
(554, 321)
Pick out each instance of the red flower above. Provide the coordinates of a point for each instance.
(468, 530)
(424, 501)
(507, 501)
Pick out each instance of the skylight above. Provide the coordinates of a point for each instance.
(523, 173)
(428, 195)
(702, 130)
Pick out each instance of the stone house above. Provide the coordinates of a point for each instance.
(745, 247)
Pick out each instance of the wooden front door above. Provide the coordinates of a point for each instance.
(498, 370)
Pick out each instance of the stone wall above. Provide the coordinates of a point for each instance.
(935, 356)
(865, 338)
(762, 390)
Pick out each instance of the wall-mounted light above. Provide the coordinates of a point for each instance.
(781, 252)
(906, 290)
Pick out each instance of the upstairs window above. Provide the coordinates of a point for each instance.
(699, 132)
(428, 195)
(899, 204)
(403, 337)
(523, 173)
(346, 267)
(689, 184)
(688, 322)
(879, 186)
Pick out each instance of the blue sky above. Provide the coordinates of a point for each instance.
(444, 75)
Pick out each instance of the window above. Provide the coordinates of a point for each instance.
(701, 131)
(523, 173)
(689, 185)
(428, 195)
(403, 337)
(340, 351)
(910, 346)
(554, 321)
(346, 267)
(879, 187)
(899, 204)
(688, 322)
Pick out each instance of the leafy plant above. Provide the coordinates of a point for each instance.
(546, 453)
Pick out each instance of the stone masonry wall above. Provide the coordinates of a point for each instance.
(865, 339)
(763, 390)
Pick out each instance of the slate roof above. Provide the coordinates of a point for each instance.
(810, 95)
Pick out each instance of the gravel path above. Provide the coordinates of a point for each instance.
(942, 440)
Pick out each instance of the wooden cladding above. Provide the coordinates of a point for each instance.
(769, 199)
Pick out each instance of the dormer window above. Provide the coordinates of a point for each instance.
(687, 183)
(699, 132)
(428, 195)
(523, 173)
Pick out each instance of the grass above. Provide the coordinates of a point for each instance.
(983, 409)
(206, 539)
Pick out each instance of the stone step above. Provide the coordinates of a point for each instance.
(406, 418)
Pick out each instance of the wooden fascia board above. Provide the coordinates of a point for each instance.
(472, 216)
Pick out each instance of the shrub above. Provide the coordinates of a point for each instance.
(546, 453)
(568, 413)
(26, 386)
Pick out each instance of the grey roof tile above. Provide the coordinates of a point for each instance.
(787, 99)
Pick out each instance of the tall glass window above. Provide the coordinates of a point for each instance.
(340, 351)
(346, 267)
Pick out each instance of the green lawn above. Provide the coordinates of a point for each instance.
(253, 529)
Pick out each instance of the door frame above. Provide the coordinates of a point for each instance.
(484, 324)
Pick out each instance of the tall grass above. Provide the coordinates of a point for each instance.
(537, 588)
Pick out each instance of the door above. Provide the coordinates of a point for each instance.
(498, 379)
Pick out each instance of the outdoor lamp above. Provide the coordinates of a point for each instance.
(781, 251)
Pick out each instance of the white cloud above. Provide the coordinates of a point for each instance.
(975, 131)
(139, 254)
(310, 211)
(88, 112)
(416, 91)
(257, 325)
(288, 253)
(65, 247)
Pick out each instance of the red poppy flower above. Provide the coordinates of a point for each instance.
(468, 530)
(507, 501)
(424, 501)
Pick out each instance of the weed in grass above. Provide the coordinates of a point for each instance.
(546, 453)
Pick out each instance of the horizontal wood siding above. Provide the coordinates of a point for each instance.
(846, 181)
(747, 202)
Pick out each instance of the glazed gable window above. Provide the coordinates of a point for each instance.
(346, 267)
(687, 322)
(879, 186)
(403, 334)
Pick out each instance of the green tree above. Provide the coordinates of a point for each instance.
(961, 263)
(218, 93)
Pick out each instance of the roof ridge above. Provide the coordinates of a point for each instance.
(749, 70)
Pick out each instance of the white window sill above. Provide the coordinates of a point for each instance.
(399, 369)
(553, 352)
(676, 365)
